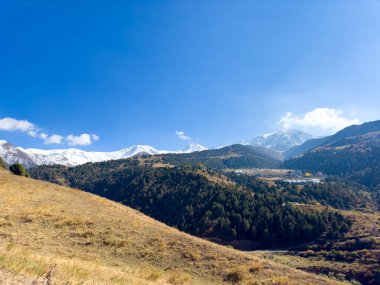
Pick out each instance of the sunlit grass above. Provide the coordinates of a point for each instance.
(84, 239)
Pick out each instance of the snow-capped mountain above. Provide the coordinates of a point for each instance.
(11, 154)
(194, 147)
(281, 141)
(71, 157)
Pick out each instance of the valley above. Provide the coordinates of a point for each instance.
(189, 142)
(238, 196)
(85, 238)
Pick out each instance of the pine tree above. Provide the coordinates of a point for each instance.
(18, 169)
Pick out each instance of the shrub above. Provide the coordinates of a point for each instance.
(2, 164)
(237, 274)
(18, 169)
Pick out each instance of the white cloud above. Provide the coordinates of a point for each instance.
(53, 139)
(10, 124)
(83, 139)
(95, 137)
(318, 121)
(32, 133)
(181, 135)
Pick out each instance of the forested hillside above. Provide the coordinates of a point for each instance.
(55, 235)
(334, 192)
(355, 158)
(234, 156)
(190, 201)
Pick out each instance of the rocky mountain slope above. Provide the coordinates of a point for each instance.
(281, 141)
(71, 157)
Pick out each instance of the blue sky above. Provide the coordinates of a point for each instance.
(217, 72)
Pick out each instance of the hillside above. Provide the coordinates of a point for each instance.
(234, 156)
(333, 191)
(356, 158)
(196, 200)
(78, 237)
(356, 256)
(351, 131)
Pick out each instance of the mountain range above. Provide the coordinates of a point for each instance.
(351, 131)
(190, 190)
(281, 141)
(265, 151)
(71, 157)
(353, 153)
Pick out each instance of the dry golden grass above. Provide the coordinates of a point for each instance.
(364, 224)
(216, 178)
(91, 240)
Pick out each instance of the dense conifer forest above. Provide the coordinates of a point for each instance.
(184, 198)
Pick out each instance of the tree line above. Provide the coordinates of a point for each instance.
(183, 198)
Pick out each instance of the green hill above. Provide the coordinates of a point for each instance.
(234, 156)
(56, 235)
(196, 201)
(356, 158)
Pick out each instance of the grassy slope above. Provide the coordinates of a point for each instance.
(92, 239)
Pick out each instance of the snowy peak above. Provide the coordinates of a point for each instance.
(281, 141)
(71, 157)
(194, 147)
(11, 154)
(136, 149)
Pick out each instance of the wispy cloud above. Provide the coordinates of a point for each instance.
(318, 121)
(182, 136)
(53, 139)
(11, 125)
(82, 140)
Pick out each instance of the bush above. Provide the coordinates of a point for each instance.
(237, 274)
(18, 169)
(2, 163)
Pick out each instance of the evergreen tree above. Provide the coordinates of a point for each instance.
(18, 169)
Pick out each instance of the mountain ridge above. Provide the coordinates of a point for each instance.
(354, 130)
(281, 141)
(233, 156)
(72, 156)
(353, 153)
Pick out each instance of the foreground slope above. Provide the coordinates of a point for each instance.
(79, 237)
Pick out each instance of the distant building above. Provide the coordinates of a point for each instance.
(294, 173)
(301, 181)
